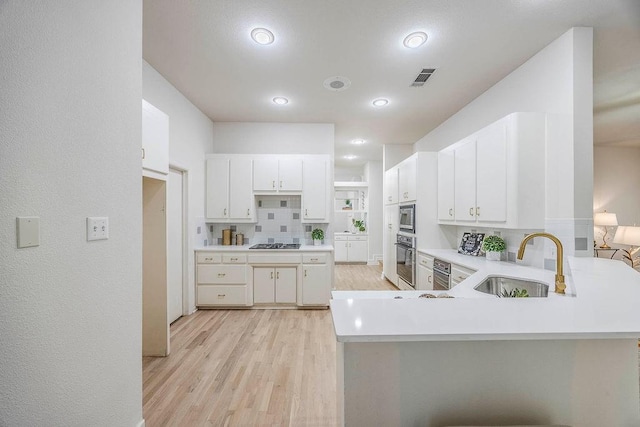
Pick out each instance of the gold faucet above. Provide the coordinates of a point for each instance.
(560, 285)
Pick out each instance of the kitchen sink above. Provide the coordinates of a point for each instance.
(509, 287)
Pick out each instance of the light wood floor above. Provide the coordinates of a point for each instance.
(251, 367)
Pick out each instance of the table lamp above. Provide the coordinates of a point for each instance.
(626, 235)
(605, 219)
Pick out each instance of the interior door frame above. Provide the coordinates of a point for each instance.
(185, 235)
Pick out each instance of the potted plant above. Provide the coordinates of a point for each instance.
(317, 235)
(493, 246)
(359, 225)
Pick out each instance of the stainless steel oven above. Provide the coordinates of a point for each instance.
(408, 218)
(441, 275)
(406, 258)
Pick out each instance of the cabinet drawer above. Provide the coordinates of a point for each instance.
(357, 238)
(314, 259)
(208, 258)
(222, 274)
(222, 295)
(340, 238)
(459, 273)
(234, 258)
(425, 260)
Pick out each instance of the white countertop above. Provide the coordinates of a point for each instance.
(245, 248)
(603, 302)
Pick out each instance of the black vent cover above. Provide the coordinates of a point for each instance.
(423, 77)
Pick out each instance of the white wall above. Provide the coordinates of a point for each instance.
(557, 80)
(190, 138)
(70, 138)
(392, 154)
(273, 138)
(616, 185)
(348, 173)
(374, 176)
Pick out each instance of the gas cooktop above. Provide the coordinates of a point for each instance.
(276, 246)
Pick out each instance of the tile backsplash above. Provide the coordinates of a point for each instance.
(278, 220)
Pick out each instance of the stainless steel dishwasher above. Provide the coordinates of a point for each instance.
(441, 275)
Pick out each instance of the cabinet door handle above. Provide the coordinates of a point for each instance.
(277, 275)
(389, 226)
(280, 184)
(305, 273)
(221, 274)
(273, 184)
(272, 274)
(450, 212)
(225, 212)
(248, 212)
(143, 154)
(429, 279)
(471, 211)
(478, 211)
(306, 212)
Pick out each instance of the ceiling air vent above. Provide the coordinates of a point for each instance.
(423, 77)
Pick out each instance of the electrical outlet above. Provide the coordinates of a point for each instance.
(97, 228)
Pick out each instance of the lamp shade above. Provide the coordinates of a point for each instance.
(626, 235)
(605, 219)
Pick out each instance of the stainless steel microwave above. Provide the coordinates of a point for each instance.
(408, 218)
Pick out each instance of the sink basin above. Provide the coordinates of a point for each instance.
(508, 287)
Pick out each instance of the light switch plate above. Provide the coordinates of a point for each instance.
(97, 228)
(28, 231)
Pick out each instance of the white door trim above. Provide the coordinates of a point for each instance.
(185, 235)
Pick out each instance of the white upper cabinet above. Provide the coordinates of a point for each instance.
(465, 181)
(391, 186)
(314, 193)
(446, 188)
(217, 188)
(491, 173)
(407, 180)
(274, 175)
(228, 188)
(155, 140)
(241, 200)
(498, 175)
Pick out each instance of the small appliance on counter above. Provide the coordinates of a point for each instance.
(226, 237)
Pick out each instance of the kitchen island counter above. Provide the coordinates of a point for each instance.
(478, 360)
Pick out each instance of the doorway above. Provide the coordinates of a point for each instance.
(176, 244)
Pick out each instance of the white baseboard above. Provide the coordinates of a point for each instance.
(141, 423)
(377, 258)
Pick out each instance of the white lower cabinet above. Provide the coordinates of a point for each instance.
(459, 273)
(316, 287)
(274, 285)
(424, 272)
(351, 248)
(221, 284)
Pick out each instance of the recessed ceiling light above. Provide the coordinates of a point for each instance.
(280, 100)
(262, 36)
(358, 141)
(350, 157)
(414, 40)
(380, 102)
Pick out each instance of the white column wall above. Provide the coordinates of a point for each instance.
(190, 138)
(70, 138)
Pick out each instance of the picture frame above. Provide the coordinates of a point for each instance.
(471, 244)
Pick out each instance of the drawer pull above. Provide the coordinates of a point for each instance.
(221, 274)
(314, 259)
(222, 295)
(208, 259)
(234, 259)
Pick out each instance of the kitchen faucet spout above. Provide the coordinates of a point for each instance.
(560, 285)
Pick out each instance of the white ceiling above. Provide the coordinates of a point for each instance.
(204, 49)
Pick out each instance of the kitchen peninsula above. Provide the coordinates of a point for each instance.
(476, 359)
